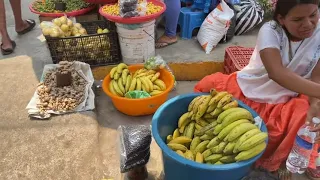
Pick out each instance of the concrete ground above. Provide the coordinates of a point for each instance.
(73, 146)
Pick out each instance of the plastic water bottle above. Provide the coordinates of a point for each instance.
(298, 159)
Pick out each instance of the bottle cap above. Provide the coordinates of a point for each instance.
(316, 120)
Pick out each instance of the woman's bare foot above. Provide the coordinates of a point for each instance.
(165, 41)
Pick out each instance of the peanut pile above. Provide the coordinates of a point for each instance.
(59, 99)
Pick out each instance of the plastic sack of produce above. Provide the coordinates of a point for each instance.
(134, 144)
(156, 63)
(128, 8)
(249, 14)
(230, 33)
(215, 26)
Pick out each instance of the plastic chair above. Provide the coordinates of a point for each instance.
(189, 20)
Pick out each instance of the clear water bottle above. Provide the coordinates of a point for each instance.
(298, 159)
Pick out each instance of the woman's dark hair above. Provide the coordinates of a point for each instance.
(284, 6)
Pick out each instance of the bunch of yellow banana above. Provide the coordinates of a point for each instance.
(226, 137)
(148, 81)
(122, 81)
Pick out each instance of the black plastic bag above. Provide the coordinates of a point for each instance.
(134, 146)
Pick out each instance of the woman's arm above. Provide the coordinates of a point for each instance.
(272, 61)
(315, 77)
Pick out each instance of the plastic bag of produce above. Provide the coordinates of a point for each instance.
(250, 14)
(137, 95)
(134, 144)
(215, 26)
(128, 8)
(156, 63)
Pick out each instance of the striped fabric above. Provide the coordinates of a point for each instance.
(250, 15)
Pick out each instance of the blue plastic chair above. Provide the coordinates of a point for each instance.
(189, 20)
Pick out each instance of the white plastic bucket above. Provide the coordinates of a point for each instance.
(137, 42)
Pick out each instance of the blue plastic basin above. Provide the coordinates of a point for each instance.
(165, 121)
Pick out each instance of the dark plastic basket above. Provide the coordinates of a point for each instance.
(94, 49)
(236, 58)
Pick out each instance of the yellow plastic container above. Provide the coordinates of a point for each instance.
(140, 107)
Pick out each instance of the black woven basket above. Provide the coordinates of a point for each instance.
(94, 49)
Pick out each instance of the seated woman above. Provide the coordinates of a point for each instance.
(171, 16)
(281, 81)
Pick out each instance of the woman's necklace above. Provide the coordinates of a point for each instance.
(290, 50)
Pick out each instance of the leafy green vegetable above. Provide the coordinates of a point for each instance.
(49, 5)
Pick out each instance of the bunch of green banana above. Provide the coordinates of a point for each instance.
(217, 138)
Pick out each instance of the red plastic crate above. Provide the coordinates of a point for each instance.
(236, 58)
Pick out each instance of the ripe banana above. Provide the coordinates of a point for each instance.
(228, 150)
(224, 101)
(218, 97)
(245, 155)
(145, 84)
(190, 130)
(225, 131)
(181, 140)
(155, 92)
(190, 114)
(207, 116)
(232, 104)
(143, 88)
(228, 159)
(213, 158)
(189, 155)
(161, 84)
(206, 128)
(133, 84)
(183, 127)
(217, 129)
(211, 108)
(206, 137)
(253, 141)
(112, 72)
(194, 143)
(148, 81)
(225, 113)
(124, 76)
(150, 76)
(218, 163)
(112, 89)
(213, 92)
(137, 72)
(183, 120)
(240, 130)
(139, 85)
(120, 84)
(201, 147)
(219, 149)
(155, 87)
(236, 115)
(202, 108)
(116, 76)
(202, 122)
(210, 132)
(190, 107)
(169, 138)
(199, 158)
(155, 77)
(206, 153)
(213, 143)
(151, 72)
(244, 137)
(198, 127)
(116, 87)
(176, 147)
(121, 67)
(128, 83)
(216, 112)
(180, 153)
(176, 134)
(211, 120)
(197, 103)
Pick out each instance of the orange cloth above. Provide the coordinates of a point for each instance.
(282, 120)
